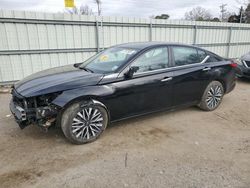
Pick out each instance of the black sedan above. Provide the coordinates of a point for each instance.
(123, 81)
(244, 66)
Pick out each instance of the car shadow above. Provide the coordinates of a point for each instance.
(55, 134)
(153, 115)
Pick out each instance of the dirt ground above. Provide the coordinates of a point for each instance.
(185, 148)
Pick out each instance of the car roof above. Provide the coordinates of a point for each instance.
(144, 45)
(140, 46)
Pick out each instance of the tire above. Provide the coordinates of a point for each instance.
(212, 96)
(84, 122)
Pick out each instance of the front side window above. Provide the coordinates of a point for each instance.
(152, 60)
(109, 60)
(187, 55)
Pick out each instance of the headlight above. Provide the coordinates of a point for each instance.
(45, 100)
(244, 63)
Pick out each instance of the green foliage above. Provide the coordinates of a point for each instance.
(198, 14)
(242, 17)
(162, 16)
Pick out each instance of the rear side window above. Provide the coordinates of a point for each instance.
(201, 55)
(187, 55)
(213, 58)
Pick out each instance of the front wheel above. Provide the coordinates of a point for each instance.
(212, 96)
(84, 123)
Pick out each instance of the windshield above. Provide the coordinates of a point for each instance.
(109, 60)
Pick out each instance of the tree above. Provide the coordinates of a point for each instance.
(242, 17)
(234, 19)
(237, 18)
(162, 16)
(215, 20)
(198, 14)
(243, 2)
(99, 6)
(224, 13)
(82, 10)
(247, 13)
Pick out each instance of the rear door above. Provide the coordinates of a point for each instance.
(190, 75)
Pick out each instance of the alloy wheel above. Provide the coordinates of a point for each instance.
(88, 123)
(214, 96)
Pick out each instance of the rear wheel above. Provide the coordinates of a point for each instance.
(84, 123)
(212, 96)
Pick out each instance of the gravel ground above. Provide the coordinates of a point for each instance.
(185, 148)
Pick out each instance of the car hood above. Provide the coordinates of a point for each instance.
(55, 80)
(246, 57)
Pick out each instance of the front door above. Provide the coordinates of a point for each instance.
(150, 88)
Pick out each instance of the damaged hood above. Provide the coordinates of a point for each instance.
(55, 80)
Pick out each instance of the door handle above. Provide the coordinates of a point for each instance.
(206, 69)
(166, 79)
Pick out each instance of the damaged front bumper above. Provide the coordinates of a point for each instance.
(27, 111)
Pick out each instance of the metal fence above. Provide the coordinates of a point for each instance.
(31, 41)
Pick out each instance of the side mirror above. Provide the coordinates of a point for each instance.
(131, 72)
(77, 65)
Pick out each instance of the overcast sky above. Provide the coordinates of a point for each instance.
(133, 8)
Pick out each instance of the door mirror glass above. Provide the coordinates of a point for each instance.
(131, 71)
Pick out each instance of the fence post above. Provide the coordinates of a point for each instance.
(97, 37)
(195, 34)
(229, 41)
(150, 31)
(102, 35)
(1, 77)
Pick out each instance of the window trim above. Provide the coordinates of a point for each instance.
(200, 63)
(171, 63)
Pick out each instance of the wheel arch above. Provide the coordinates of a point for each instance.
(92, 95)
(223, 84)
(87, 100)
